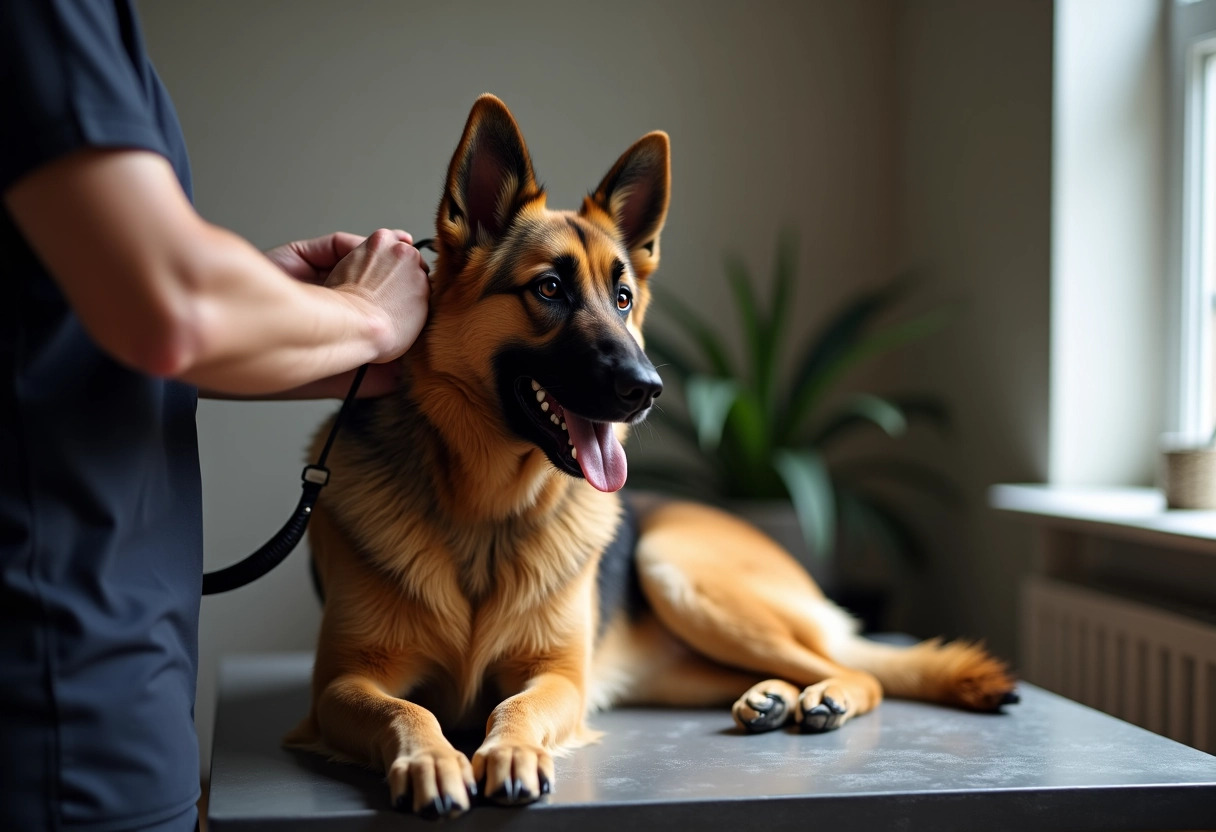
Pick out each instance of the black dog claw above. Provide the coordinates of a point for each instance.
(505, 794)
(834, 706)
(513, 791)
(1011, 697)
(772, 700)
(771, 714)
(545, 786)
(433, 810)
(816, 719)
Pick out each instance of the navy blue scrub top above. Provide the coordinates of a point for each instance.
(100, 505)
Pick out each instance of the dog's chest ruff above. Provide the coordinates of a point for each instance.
(473, 598)
(490, 596)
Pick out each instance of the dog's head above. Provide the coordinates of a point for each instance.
(536, 314)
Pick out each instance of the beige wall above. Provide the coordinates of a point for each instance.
(1108, 242)
(974, 196)
(304, 117)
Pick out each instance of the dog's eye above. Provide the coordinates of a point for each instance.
(548, 287)
(624, 298)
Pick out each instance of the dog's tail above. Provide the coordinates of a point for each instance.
(958, 673)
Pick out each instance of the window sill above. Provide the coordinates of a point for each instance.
(1131, 514)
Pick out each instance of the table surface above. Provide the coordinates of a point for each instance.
(1047, 763)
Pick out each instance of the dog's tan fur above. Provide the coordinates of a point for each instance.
(459, 566)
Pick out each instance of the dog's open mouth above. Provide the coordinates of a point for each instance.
(580, 446)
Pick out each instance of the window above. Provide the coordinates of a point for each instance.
(1193, 74)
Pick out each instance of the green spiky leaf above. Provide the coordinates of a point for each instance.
(754, 326)
(750, 430)
(709, 403)
(785, 265)
(858, 411)
(824, 375)
(698, 331)
(810, 488)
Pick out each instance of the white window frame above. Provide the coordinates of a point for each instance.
(1192, 204)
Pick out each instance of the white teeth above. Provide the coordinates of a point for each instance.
(574, 452)
(544, 405)
(553, 418)
(540, 395)
(563, 425)
(535, 384)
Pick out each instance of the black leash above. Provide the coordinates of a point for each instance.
(313, 479)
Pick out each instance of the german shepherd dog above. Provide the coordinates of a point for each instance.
(476, 559)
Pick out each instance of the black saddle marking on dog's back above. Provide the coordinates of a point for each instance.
(617, 578)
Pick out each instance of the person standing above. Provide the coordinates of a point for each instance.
(118, 303)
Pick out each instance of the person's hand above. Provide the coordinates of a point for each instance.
(312, 260)
(387, 279)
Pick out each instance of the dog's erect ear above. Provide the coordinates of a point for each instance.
(489, 180)
(634, 196)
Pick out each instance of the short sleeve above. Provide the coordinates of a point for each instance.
(68, 81)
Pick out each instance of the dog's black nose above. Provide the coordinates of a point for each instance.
(637, 386)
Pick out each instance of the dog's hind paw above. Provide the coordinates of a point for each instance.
(765, 707)
(822, 707)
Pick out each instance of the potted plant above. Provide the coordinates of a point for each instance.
(754, 436)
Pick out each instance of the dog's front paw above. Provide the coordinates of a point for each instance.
(435, 784)
(823, 707)
(513, 773)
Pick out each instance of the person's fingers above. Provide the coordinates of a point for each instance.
(381, 239)
(323, 253)
(311, 260)
(342, 243)
(289, 262)
(388, 274)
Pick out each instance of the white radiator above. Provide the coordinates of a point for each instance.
(1146, 665)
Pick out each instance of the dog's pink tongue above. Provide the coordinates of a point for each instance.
(600, 454)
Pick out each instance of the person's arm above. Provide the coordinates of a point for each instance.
(312, 261)
(169, 294)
